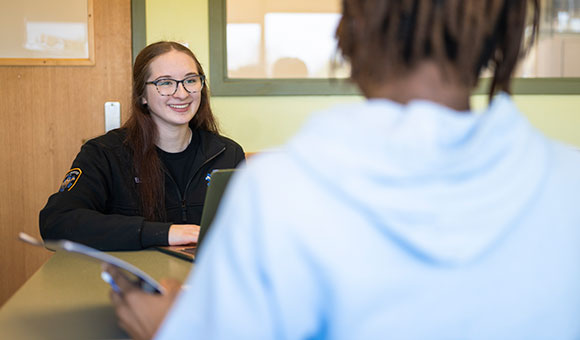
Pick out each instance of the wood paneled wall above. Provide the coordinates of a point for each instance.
(45, 114)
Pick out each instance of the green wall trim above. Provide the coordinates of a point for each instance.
(221, 85)
(138, 26)
(536, 86)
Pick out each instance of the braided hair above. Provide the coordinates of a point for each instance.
(387, 38)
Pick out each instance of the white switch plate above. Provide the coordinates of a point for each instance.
(112, 115)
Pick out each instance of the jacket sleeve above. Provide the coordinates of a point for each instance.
(239, 155)
(235, 152)
(77, 212)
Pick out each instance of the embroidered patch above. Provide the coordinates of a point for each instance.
(70, 179)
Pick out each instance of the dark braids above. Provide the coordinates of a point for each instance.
(386, 38)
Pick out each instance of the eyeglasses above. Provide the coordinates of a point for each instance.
(168, 87)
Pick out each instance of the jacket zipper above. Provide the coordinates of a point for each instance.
(182, 197)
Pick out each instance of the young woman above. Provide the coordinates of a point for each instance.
(405, 216)
(144, 184)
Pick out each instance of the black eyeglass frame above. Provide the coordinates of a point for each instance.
(177, 82)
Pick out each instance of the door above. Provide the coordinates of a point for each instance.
(46, 113)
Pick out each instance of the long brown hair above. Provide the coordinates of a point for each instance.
(386, 38)
(142, 131)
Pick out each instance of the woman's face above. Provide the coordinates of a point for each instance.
(177, 109)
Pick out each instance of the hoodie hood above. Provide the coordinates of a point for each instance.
(446, 185)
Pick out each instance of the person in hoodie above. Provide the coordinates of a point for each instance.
(144, 184)
(406, 216)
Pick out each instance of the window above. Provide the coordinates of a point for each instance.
(275, 47)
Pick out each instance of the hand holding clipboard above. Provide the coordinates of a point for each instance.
(132, 273)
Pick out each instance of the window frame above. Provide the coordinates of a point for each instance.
(138, 27)
(222, 85)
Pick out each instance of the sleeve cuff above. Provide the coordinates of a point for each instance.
(155, 234)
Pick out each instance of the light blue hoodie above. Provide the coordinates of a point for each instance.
(384, 221)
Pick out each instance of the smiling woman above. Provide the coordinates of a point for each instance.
(144, 184)
(172, 106)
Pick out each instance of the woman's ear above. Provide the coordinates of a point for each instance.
(143, 101)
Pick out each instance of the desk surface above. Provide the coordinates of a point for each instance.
(66, 298)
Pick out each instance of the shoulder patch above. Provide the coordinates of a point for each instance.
(70, 179)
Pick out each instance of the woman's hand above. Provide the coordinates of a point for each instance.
(139, 313)
(180, 234)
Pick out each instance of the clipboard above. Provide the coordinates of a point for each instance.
(139, 277)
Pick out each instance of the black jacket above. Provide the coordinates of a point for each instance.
(98, 203)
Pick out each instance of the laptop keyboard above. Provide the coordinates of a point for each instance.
(190, 250)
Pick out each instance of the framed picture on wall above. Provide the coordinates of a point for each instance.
(39, 32)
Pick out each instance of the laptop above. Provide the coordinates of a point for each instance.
(215, 190)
